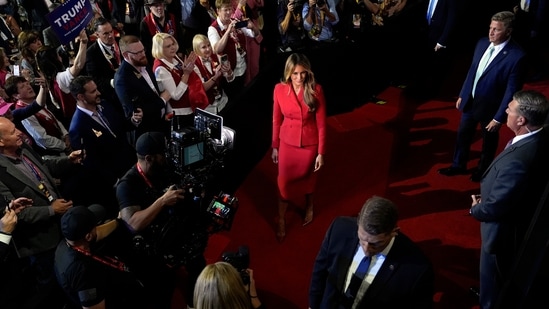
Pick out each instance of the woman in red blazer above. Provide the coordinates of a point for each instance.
(299, 131)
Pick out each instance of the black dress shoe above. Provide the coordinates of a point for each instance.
(452, 171)
(476, 176)
(475, 291)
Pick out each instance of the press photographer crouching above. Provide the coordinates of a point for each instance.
(165, 226)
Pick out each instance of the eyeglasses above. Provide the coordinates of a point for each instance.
(137, 52)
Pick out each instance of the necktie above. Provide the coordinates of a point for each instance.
(482, 66)
(358, 276)
(116, 55)
(430, 11)
(104, 121)
(509, 143)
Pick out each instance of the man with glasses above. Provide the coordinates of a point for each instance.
(138, 91)
(372, 265)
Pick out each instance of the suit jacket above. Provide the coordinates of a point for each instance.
(292, 121)
(510, 191)
(36, 230)
(134, 91)
(102, 71)
(443, 22)
(107, 155)
(405, 280)
(501, 79)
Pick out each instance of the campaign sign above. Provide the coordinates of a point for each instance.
(70, 18)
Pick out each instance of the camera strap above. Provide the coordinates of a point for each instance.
(140, 170)
(111, 262)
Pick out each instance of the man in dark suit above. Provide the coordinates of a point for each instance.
(101, 131)
(398, 275)
(137, 89)
(497, 72)
(509, 192)
(103, 58)
(442, 17)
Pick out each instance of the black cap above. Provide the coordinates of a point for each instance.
(77, 222)
(151, 2)
(151, 143)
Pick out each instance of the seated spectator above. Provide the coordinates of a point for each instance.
(90, 277)
(210, 69)
(220, 286)
(58, 78)
(49, 135)
(227, 39)
(178, 77)
(319, 19)
(290, 25)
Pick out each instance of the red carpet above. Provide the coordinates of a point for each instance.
(392, 150)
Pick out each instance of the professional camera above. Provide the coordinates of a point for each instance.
(239, 260)
(320, 2)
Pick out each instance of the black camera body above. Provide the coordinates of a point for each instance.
(320, 2)
(240, 260)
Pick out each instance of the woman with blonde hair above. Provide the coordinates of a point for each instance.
(177, 76)
(210, 70)
(299, 133)
(220, 286)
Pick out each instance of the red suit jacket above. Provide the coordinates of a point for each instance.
(292, 121)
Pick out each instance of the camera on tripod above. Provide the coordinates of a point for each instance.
(239, 260)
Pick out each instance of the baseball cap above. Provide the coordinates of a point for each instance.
(151, 143)
(4, 106)
(77, 222)
(151, 2)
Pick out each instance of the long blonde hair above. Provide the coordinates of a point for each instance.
(220, 286)
(309, 84)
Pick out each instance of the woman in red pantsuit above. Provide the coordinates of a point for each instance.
(299, 131)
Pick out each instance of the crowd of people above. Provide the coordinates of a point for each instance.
(83, 142)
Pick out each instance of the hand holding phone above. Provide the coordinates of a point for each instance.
(241, 24)
(16, 70)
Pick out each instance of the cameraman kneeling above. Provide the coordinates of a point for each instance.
(147, 201)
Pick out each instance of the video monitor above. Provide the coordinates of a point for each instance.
(193, 153)
(206, 122)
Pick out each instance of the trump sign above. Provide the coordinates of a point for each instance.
(70, 18)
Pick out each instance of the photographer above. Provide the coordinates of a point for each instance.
(290, 24)
(319, 19)
(147, 207)
(221, 286)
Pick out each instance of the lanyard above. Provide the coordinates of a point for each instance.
(111, 262)
(140, 170)
(41, 184)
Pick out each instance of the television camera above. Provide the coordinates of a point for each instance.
(196, 156)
